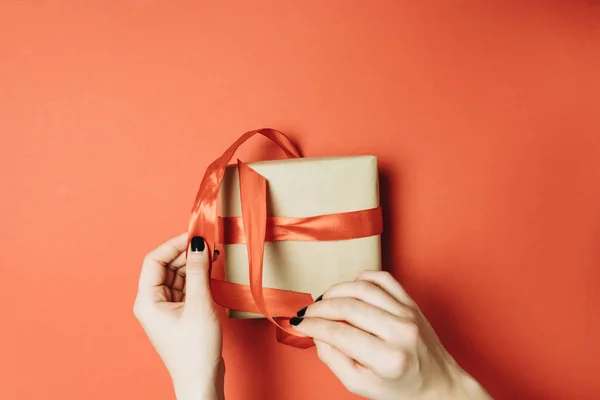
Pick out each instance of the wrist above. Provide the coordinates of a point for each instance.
(206, 392)
(471, 389)
(208, 386)
(456, 385)
(202, 389)
(466, 387)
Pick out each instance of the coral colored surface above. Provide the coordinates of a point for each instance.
(485, 117)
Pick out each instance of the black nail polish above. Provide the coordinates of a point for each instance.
(319, 298)
(296, 321)
(301, 312)
(197, 244)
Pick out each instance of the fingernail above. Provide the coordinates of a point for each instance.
(296, 321)
(301, 312)
(197, 244)
(319, 298)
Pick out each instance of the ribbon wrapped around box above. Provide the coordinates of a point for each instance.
(317, 223)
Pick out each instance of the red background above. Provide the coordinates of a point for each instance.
(485, 117)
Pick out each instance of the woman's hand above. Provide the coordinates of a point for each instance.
(373, 337)
(175, 308)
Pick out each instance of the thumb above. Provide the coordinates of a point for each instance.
(197, 286)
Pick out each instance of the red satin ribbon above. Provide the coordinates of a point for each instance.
(342, 226)
(254, 228)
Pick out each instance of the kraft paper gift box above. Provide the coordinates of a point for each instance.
(306, 187)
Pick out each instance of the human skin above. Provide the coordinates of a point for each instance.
(369, 332)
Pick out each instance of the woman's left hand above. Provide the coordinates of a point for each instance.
(176, 309)
(374, 338)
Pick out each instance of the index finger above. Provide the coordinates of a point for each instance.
(355, 343)
(153, 269)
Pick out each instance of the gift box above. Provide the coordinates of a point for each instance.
(306, 187)
(288, 229)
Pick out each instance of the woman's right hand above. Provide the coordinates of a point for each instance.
(375, 339)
